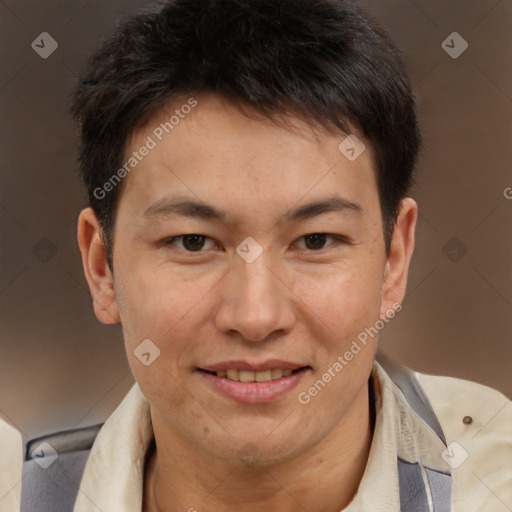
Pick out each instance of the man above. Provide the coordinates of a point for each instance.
(10, 468)
(249, 165)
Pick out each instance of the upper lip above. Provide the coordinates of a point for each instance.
(269, 364)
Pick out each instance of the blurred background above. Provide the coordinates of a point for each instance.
(60, 368)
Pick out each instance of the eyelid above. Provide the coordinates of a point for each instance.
(171, 240)
(336, 238)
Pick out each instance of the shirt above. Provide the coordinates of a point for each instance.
(476, 420)
(11, 460)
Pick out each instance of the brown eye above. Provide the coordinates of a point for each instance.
(315, 241)
(319, 241)
(192, 242)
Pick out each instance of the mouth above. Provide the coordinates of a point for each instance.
(253, 384)
(238, 375)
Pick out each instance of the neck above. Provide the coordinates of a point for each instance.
(324, 479)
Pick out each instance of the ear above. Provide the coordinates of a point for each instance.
(97, 272)
(399, 258)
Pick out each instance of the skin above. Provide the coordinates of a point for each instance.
(292, 303)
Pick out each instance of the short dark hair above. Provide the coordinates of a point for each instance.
(325, 60)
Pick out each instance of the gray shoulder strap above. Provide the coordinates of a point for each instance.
(413, 483)
(53, 469)
(413, 488)
(409, 385)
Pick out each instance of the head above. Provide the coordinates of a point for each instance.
(205, 123)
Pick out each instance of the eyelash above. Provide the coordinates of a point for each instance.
(337, 239)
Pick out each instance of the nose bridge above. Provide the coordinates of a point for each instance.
(255, 301)
(259, 283)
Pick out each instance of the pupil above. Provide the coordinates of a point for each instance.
(193, 242)
(316, 241)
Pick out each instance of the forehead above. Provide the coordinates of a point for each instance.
(213, 151)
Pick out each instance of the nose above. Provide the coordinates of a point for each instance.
(256, 302)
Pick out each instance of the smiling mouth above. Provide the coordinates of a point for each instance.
(253, 376)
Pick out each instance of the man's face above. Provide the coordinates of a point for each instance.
(212, 302)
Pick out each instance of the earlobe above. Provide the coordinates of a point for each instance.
(400, 254)
(96, 269)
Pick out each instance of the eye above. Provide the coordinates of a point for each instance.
(192, 242)
(317, 241)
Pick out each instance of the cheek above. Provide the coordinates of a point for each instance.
(155, 305)
(345, 299)
(155, 302)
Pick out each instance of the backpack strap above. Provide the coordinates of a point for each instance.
(406, 380)
(53, 469)
(415, 480)
(413, 488)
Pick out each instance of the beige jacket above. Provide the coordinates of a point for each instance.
(479, 455)
(11, 460)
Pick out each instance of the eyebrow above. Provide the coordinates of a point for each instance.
(200, 210)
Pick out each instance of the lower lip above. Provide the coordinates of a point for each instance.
(254, 392)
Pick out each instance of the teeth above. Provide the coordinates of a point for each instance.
(247, 376)
(277, 374)
(263, 376)
(233, 374)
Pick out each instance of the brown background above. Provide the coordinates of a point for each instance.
(59, 368)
